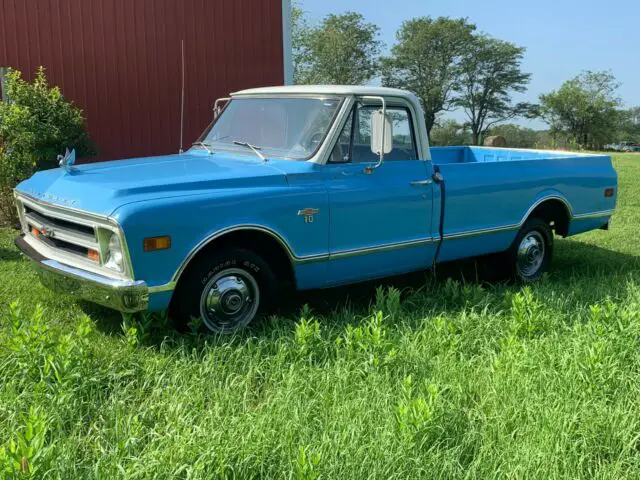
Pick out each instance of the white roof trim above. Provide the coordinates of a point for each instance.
(328, 90)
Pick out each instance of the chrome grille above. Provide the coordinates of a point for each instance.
(70, 236)
(73, 238)
(62, 230)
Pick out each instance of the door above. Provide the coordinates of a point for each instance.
(380, 220)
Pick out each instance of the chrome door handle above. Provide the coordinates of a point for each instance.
(421, 182)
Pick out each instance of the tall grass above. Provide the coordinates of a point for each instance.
(445, 379)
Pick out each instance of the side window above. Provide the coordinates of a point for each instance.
(345, 135)
(341, 151)
(362, 136)
(403, 138)
(354, 144)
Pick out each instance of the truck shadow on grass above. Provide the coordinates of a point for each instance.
(9, 255)
(587, 271)
(574, 262)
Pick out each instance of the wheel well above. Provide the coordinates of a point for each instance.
(555, 213)
(261, 243)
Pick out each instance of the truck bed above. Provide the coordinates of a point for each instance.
(491, 191)
(447, 155)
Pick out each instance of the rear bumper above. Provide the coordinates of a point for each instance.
(123, 295)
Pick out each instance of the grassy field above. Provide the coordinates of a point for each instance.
(445, 379)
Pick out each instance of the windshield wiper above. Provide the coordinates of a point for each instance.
(202, 144)
(255, 149)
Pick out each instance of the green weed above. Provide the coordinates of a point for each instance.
(443, 378)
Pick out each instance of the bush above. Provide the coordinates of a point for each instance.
(36, 124)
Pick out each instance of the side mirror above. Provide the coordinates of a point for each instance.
(381, 133)
(218, 107)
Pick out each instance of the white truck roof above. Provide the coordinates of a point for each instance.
(328, 90)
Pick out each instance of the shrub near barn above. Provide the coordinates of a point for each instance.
(36, 124)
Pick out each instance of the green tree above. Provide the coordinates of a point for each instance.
(36, 124)
(629, 125)
(584, 108)
(299, 34)
(490, 72)
(634, 116)
(516, 136)
(426, 61)
(343, 49)
(450, 132)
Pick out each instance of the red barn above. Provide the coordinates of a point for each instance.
(120, 60)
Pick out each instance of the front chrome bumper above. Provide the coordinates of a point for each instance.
(122, 295)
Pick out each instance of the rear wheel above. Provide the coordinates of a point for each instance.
(227, 290)
(530, 254)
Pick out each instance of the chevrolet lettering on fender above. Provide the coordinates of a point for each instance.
(317, 186)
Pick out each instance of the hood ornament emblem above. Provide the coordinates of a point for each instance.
(68, 159)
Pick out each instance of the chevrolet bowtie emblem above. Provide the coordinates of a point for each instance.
(308, 214)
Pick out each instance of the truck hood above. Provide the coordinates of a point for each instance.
(103, 187)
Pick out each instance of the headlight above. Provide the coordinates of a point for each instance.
(114, 258)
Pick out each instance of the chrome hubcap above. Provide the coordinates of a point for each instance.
(531, 253)
(229, 300)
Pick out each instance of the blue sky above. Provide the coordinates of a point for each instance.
(562, 37)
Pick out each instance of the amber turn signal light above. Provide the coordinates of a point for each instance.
(608, 192)
(93, 255)
(35, 232)
(156, 243)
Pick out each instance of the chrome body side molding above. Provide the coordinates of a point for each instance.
(517, 226)
(295, 259)
(300, 260)
(381, 248)
(602, 213)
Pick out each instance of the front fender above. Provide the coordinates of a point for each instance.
(193, 221)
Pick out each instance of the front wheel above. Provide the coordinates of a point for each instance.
(227, 290)
(530, 254)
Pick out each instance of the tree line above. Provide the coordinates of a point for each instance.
(449, 65)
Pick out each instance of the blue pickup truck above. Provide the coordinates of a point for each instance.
(314, 185)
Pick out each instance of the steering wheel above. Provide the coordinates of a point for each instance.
(315, 140)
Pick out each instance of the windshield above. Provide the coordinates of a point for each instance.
(291, 128)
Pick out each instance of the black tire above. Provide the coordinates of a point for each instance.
(219, 282)
(529, 256)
